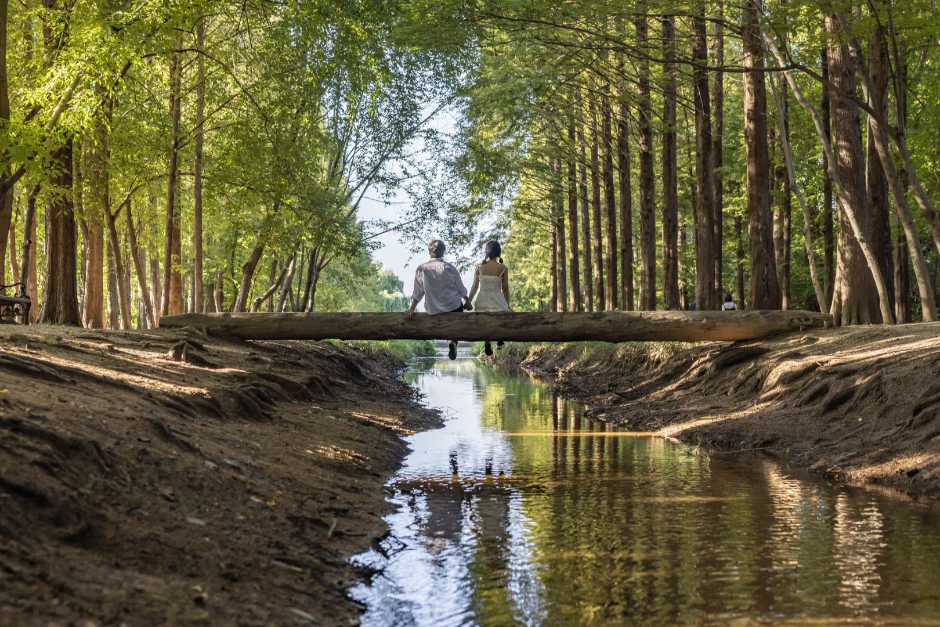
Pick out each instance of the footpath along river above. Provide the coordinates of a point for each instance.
(521, 511)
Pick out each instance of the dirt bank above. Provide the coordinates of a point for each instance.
(162, 478)
(859, 404)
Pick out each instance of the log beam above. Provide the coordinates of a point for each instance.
(647, 326)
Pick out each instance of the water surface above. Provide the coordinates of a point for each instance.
(521, 511)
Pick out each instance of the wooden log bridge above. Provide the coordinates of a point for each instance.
(643, 326)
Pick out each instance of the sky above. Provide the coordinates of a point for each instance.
(393, 253)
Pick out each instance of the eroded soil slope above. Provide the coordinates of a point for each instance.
(162, 478)
(860, 404)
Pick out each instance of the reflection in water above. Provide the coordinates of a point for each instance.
(522, 511)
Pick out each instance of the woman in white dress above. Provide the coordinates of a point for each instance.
(490, 291)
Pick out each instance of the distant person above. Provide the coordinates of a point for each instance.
(491, 285)
(692, 306)
(729, 304)
(440, 282)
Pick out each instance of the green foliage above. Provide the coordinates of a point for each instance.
(400, 349)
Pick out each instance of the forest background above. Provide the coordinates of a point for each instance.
(159, 157)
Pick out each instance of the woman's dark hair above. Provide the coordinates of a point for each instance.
(728, 298)
(493, 251)
(436, 248)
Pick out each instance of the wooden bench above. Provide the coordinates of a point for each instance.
(16, 306)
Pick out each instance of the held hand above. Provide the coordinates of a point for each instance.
(409, 314)
(468, 306)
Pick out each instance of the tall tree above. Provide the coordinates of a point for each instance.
(626, 204)
(875, 179)
(172, 279)
(60, 301)
(647, 210)
(829, 257)
(610, 206)
(670, 174)
(574, 296)
(764, 288)
(585, 221)
(855, 300)
(597, 236)
(705, 295)
(197, 167)
(718, 132)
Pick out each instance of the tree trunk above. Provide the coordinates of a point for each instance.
(14, 262)
(172, 281)
(60, 303)
(93, 300)
(764, 288)
(276, 283)
(807, 218)
(219, 291)
(552, 257)
(248, 273)
(647, 189)
(288, 281)
(626, 207)
(902, 282)
(198, 278)
(829, 272)
(585, 223)
(670, 171)
(649, 326)
(114, 318)
(739, 262)
(856, 301)
(718, 129)
(561, 258)
(574, 295)
(705, 296)
(875, 180)
(6, 194)
(122, 299)
(785, 207)
(140, 260)
(597, 239)
(610, 207)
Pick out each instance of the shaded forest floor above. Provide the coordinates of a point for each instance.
(158, 477)
(858, 404)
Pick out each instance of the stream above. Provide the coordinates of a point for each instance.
(522, 511)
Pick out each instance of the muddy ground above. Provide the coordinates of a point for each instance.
(160, 477)
(859, 404)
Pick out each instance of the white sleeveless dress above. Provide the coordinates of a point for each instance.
(490, 296)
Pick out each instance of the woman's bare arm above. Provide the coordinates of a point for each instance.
(506, 286)
(476, 284)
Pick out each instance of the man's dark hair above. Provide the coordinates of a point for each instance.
(728, 298)
(437, 248)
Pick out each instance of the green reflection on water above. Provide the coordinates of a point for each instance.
(574, 525)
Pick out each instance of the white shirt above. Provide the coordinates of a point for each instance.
(729, 307)
(441, 284)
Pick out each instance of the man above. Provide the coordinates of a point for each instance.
(440, 283)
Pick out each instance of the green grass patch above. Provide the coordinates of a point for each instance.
(402, 349)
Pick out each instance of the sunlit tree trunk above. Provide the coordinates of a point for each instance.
(670, 172)
(739, 262)
(146, 307)
(705, 296)
(764, 288)
(783, 210)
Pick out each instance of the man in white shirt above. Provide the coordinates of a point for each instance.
(439, 283)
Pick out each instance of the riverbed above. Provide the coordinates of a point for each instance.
(522, 511)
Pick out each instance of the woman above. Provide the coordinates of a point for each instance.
(491, 285)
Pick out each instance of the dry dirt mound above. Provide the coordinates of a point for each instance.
(860, 404)
(163, 478)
